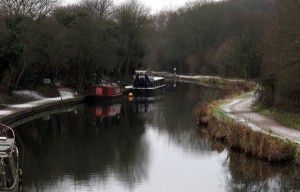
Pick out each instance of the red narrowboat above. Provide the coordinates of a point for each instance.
(104, 92)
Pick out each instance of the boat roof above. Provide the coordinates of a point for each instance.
(147, 72)
(158, 78)
(143, 72)
(107, 85)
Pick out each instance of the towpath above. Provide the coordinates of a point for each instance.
(240, 110)
(14, 112)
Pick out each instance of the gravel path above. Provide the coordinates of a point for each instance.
(240, 110)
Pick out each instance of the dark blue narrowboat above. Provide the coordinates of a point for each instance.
(146, 83)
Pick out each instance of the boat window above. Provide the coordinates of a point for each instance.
(141, 76)
(151, 77)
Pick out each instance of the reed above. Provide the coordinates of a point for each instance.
(238, 136)
(249, 142)
(232, 86)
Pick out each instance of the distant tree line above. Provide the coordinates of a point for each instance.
(250, 39)
(219, 38)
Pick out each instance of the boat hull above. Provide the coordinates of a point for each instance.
(146, 84)
(104, 93)
(102, 98)
(9, 165)
(15, 187)
(146, 91)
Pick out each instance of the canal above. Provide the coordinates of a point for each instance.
(146, 144)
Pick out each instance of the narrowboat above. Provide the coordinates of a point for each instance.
(104, 92)
(146, 83)
(9, 160)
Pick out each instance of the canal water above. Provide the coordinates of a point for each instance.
(144, 144)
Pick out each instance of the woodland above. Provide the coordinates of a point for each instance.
(80, 44)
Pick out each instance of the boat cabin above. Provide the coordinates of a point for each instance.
(146, 79)
(106, 90)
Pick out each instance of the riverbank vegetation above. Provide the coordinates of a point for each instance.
(238, 136)
(75, 44)
(241, 137)
(83, 43)
(284, 117)
(228, 85)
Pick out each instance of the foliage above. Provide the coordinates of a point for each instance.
(281, 62)
(249, 142)
(131, 24)
(84, 43)
(11, 50)
(78, 45)
(32, 8)
(221, 38)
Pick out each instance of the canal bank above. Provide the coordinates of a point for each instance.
(232, 121)
(204, 80)
(14, 113)
(148, 146)
(239, 108)
(236, 109)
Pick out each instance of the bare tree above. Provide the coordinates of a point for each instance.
(99, 8)
(31, 8)
(132, 23)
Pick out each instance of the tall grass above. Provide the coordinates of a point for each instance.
(230, 86)
(239, 136)
(250, 142)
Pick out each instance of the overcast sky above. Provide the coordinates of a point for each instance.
(154, 5)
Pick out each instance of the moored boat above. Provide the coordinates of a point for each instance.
(146, 83)
(9, 160)
(104, 92)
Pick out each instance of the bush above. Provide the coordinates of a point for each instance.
(266, 92)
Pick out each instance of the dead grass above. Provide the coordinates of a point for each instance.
(241, 137)
(229, 86)
(249, 142)
(290, 119)
(258, 144)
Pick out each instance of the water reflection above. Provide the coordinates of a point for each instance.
(79, 145)
(105, 110)
(248, 174)
(146, 104)
(146, 144)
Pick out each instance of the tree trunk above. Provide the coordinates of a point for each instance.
(20, 75)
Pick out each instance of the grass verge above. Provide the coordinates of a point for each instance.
(226, 84)
(283, 117)
(250, 142)
(243, 138)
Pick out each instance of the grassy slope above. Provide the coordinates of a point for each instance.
(285, 118)
(250, 142)
(241, 137)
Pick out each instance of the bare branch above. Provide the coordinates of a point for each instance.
(31, 8)
(99, 8)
